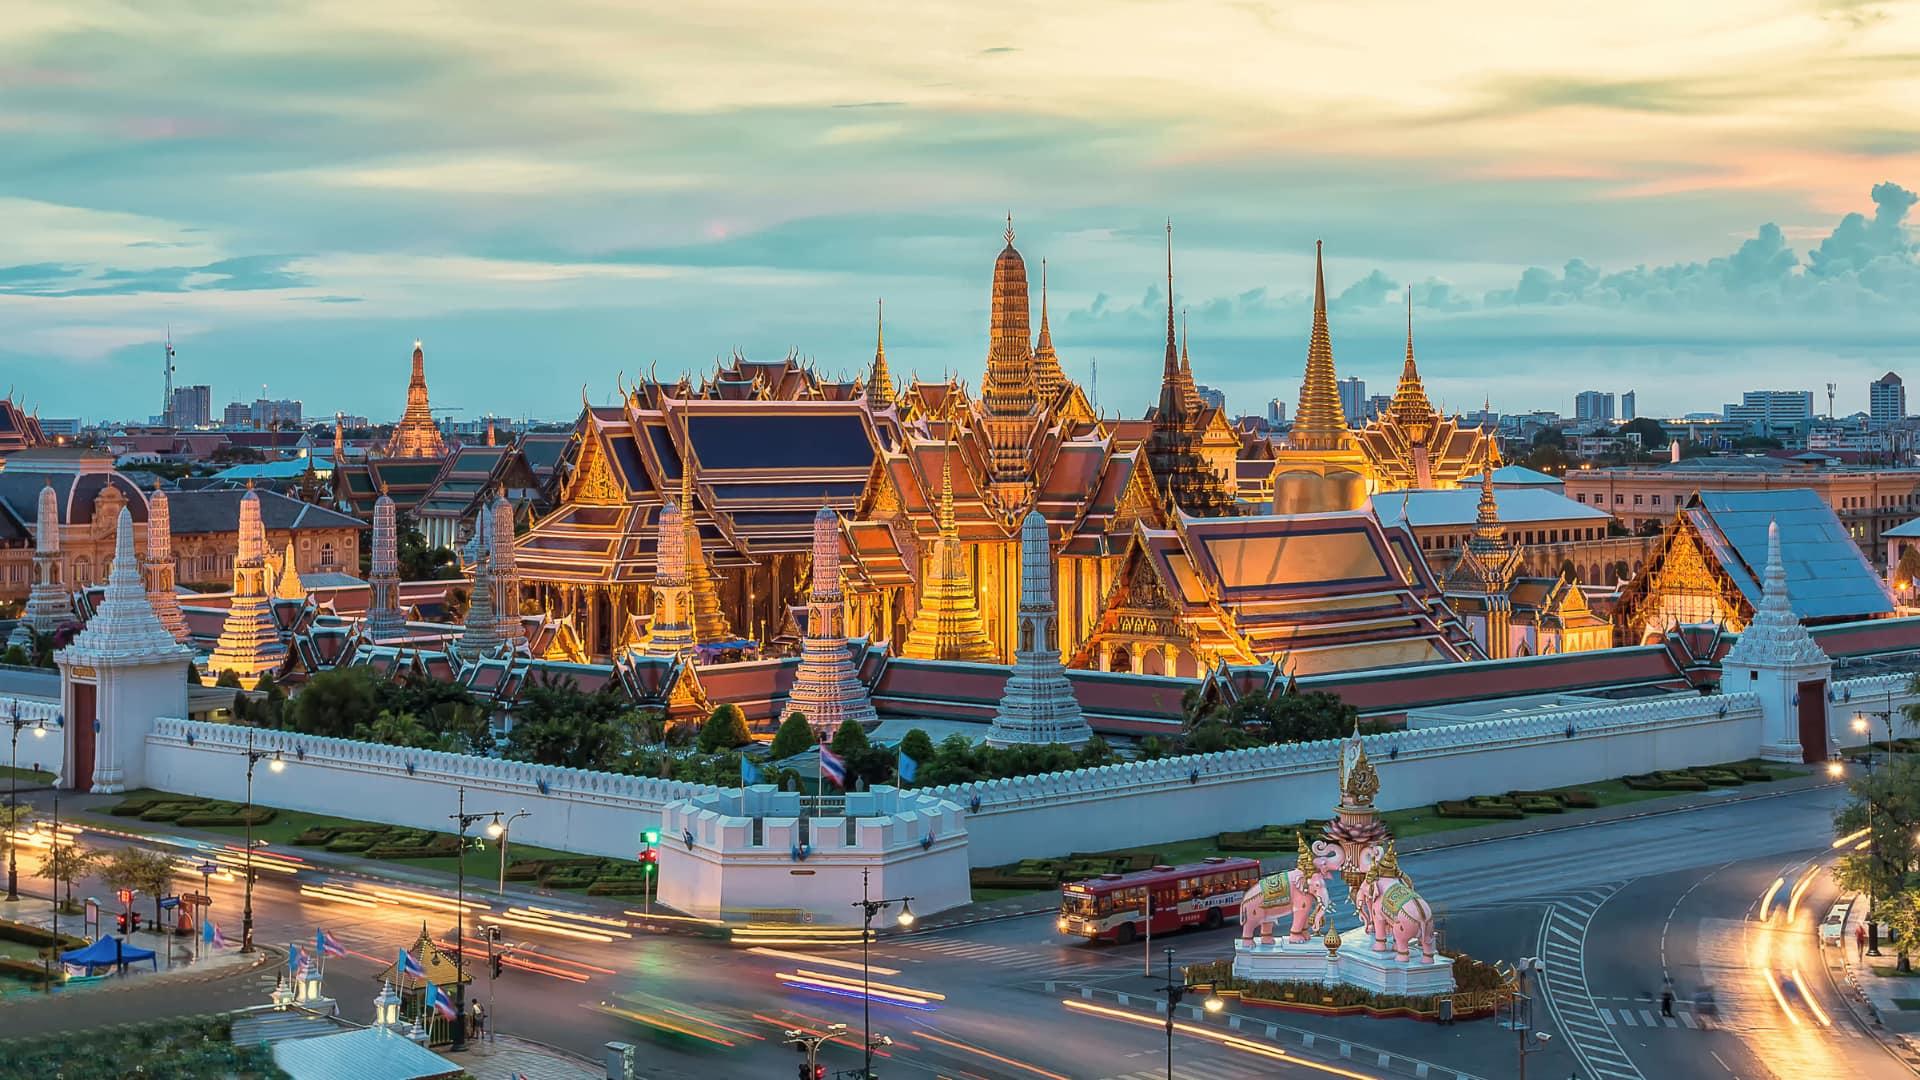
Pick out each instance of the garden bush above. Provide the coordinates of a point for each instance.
(1503, 811)
(1665, 781)
(38, 937)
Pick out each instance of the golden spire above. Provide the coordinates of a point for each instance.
(879, 382)
(1410, 408)
(946, 524)
(1173, 399)
(1187, 387)
(1319, 423)
(709, 622)
(1047, 376)
(947, 623)
(1487, 525)
(1305, 862)
(1009, 396)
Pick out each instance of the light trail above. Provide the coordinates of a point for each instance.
(713, 1023)
(1762, 966)
(674, 918)
(574, 915)
(1806, 995)
(908, 990)
(408, 898)
(656, 1022)
(827, 960)
(990, 1055)
(323, 892)
(1230, 1041)
(548, 928)
(853, 990)
(535, 917)
(1766, 898)
(1799, 890)
(1849, 838)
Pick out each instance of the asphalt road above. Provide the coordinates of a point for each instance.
(1608, 907)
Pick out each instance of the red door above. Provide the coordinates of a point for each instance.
(80, 724)
(1813, 721)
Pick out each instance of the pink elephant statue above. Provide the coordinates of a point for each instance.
(1391, 909)
(1291, 891)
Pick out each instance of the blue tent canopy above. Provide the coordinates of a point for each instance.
(108, 952)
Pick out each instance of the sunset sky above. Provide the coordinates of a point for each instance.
(1680, 199)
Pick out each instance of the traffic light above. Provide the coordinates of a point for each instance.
(649, 862)
(494, 961)
(120, 922)
(651, 837)
(814, 1072)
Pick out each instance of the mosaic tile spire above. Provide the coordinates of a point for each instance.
(480, 632)
(1009, 399)
(506, 572)
(672, 600)
(1039, 705)
(417, 436)
(827, 687)
(383, 614)
(49, 604)
(709, 622)
(158, 567)
(250, 637)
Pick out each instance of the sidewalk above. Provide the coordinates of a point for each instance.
(1875, 999)
(1047, 901)
(510, 1058)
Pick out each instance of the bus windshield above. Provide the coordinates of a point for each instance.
(1082, 904)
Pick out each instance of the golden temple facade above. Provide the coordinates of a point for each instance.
(1160, 565)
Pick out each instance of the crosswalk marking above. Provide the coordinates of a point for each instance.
(1687, 1019)
(1627, 1019)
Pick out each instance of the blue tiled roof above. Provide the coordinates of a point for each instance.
(1827, 576)
(1461, 506)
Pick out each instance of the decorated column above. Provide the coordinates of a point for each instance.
(383, 615)
(506, 573)
(120, 673)
(672, 631)
(49, 604)
(1039, 705)
(158, 567)
(249, 642)
(826, 687)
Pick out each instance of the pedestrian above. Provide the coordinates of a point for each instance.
(479, 1021)
(1860, 940)
(1666, 1001)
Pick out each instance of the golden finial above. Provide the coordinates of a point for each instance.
(1388, 864)
(946, 491)
(1332, 940)
(1009, 228)
(1363, 783)
(1305, 862)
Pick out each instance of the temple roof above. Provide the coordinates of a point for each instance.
(1827, 576)
(212, 510)
(1458, 507)
(77, 492)
(19, 429)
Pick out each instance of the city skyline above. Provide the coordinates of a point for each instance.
(543, 213)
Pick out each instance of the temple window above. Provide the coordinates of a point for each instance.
(326, 554)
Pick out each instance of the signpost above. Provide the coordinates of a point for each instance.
(207, 869)
(91, 920)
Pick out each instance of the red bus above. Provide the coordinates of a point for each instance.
(1113, 907)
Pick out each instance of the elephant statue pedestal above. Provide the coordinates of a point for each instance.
(1355, 964)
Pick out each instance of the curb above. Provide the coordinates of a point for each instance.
(1864, 1011)
(1324, 1045)
(264, 955)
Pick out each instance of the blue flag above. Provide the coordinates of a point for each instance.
(749, 772)
(906, 768)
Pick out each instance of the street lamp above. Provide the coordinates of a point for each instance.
(1176, 991)
(465, 821)
(810, 1042)
(869, 908)
(503, 832)
(1522, 1025)
(13, 799)
(274, 764)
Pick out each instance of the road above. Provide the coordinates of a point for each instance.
(1608, 907)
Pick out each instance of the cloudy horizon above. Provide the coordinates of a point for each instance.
(1681, 203)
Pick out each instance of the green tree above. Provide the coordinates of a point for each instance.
(1311, 716)
(794, 737)
(334, 703)
(64, 864)
(1902, 914)
(420, 561)
(1096, 753)
(849, 738)
(1906, 572)
(16, 656)
(556, 724)
(917, 745)
(151, 872)
(402, 729)
(14, 820)
(1886, 802)
(271, 710)
(1652, 435)
(228, 678)
(724, 730)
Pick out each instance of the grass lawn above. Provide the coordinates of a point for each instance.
(982, 895)
(287, 824)
(34, 776)
(1890, 971)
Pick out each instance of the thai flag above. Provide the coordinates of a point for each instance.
(438, 1001)
(906, 768)
(295, 959)
(832, 767)
(749, 772)
(214, 937)
(325, 945)
(407, 965)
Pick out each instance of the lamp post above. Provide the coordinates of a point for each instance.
(13, 800)
(1523, 1023)
(809, 1043)
(464, 820)
(503, 832)
(274, 764)
(61, 868)
(869, 908)
(1176, 990)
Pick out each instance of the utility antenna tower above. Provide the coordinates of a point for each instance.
(166, 399)
(1830, 401)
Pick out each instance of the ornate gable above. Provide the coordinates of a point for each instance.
(593, 481)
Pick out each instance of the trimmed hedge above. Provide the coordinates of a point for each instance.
(190, 811)
(1665, 781)
(38, 937)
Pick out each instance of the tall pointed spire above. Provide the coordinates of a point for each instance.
(49, 602)
(826, 686)
(125, 626)
(286, 581)
(672, 630)
(1410, 408)
(1009, 398)
(1188, 388)
(480, 632)
(1319, 423)
(1048, 378)
(946, 493)
(709, 622)
(1038, 705)
(249, 642)
(506, 571)
(158, 566)
(1775, 636)
(383, 618)
(947, 624)
(417, 436)
(879, 381)
(1174, 446)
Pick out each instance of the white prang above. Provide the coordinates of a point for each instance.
(826, 687)
(1038, 705)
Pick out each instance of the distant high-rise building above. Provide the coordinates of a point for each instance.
(1886, 401)
(1772, 413)
(1593, 407)
(192, 406)
(238, 414)
(1627, 411)
(1215, 398)
(265, 413)
(1353, 398)
(1276, 411)
(1377, 405)
(55, 427)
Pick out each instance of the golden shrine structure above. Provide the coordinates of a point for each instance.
(1162, 564)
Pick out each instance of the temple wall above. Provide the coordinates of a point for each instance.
(572, 809)
(47, 752)
(1172, 799)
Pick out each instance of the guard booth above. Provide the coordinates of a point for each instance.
(441, 971)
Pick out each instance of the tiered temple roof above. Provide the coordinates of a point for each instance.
(1412, 445)
(417, 436)
(19, 429)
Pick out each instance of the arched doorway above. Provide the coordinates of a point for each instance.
(1120, 659)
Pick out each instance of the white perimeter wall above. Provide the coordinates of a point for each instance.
(587, 812)
(1120, 806)
(49, 751)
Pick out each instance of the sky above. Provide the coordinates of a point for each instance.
(1684, 200)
